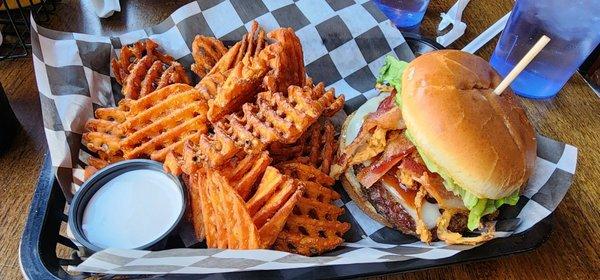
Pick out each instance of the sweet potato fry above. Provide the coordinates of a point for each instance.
(316, 147)
(270, 230)
(274, 203)
(149, 127)
(268, 185)
(236, 77)
(285, 61)
(306, 173)
(230, 222)
(206, 51)
(313, 227)
(274, 117)
(245, 184)
(142, 69)
(231, 225)
(208, 211)
(194, 206)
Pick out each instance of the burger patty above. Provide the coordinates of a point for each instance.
(458, 223)
(389, 208)
(394, 212)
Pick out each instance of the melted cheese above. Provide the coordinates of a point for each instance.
(430, 212)
(356, 122)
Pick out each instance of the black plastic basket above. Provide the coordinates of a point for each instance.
(39, 260)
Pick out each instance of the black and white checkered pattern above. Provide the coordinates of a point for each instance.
(344, 44)
(367, 241)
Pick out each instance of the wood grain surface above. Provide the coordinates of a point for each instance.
(573, 117)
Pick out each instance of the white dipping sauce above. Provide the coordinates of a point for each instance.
(132, 210)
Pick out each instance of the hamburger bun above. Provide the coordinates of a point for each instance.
(481, 141)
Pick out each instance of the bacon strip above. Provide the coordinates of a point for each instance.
(435, 187)
(396, 149)
(412, 169)
(386, 117)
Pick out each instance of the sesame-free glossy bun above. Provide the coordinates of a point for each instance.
(482, 141)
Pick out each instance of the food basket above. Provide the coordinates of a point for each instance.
(41, 238)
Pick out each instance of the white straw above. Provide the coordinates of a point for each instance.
(541, 43)
(486, 35)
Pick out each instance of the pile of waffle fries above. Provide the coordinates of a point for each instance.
(253, 140)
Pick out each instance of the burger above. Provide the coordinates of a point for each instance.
(437, 153)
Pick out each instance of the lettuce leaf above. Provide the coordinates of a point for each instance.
(391, 73)
(478, 207)
(484, 206)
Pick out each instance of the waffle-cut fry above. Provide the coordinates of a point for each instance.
(312, 228)
(142, 69)
(145, 79)
(194, 206)
(88, 171)
(149, 127)
(209, 211)
(188, 161)
(250, 46)
(240, 87)
(269, 183)
(244, 173)
(95, 164)
(209, 85)
(275, 202)
(268, 209)
(306, 173)
(285, 61)
(236, 78)
(106, 131)
(275, 117)
(309, 237)
(174, 74)
(270, 230)
(334, 107)
(173, 163)
(244, 184)
(227, 220)
(229, 206)
(130, 55)
(316, 147)
(206, 51)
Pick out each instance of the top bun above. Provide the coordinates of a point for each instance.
(482, 141)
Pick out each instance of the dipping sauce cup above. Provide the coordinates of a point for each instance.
(131, 204)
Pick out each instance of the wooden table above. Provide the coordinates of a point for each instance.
(573, 117)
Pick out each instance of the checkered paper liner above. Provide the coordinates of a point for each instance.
(367, 241)
(344, 42)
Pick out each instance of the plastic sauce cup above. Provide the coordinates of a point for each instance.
(131, 204)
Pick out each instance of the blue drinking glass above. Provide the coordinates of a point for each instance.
(574, 29)
(403, 13)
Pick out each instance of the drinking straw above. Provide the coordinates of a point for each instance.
(541, 43)
(486, 35)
